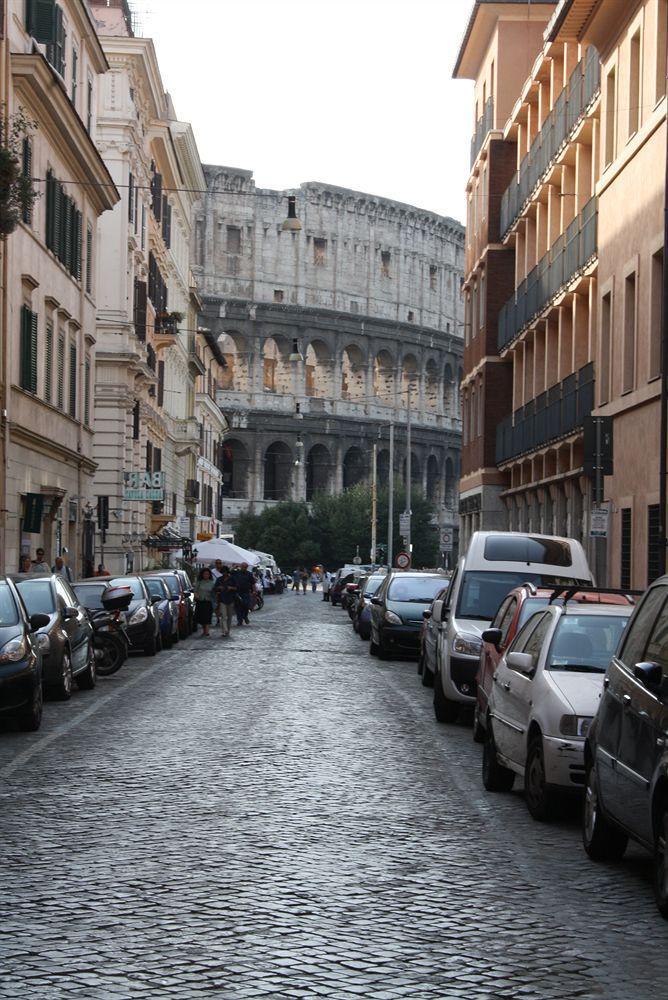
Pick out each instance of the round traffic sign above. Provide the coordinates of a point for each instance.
(403, 560)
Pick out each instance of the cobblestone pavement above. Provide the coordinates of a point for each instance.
(278, 815)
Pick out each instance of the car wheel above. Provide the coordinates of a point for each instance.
(478, 728)
(373, 647)
(445, 709)
(661, 863)
(30, 717)
(539, 798)
(495, 777)
(602, 841)
(63, 688)
(427, 676)
(158, 642)
(87, 680)
(151, 647)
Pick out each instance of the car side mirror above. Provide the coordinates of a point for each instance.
(155, 599)
(38, 621)
(187, 593)
(650, 675)
(493, 636)
(377, 601)
(69, 614)
(522, 662)
(426, 615)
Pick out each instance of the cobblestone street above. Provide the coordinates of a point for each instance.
(279, 815)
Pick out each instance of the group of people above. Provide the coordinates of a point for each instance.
(223, 591)
(40, 565)
(301, 578)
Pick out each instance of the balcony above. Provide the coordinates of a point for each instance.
(570, 107)
(484, 125)
(188, 432)
(196, 364)
(554, 414)
(166, 328)
(571, 253)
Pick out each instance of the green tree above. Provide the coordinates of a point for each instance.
(285, 530)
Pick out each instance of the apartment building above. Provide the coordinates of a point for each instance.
(579, 333)
(52, 63)
(213, 426)
(147, 360)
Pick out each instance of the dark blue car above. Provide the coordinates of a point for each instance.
(168, 610)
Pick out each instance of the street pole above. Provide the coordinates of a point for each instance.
(599, 501)
(374, 499)
(390, 500)
(409, 470)
(663, 432)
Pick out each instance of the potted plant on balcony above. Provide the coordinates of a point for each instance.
(17, 194)
(168, 322)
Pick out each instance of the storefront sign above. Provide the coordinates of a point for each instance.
(144, 486)
(32, 513)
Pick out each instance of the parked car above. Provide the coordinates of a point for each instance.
(189, 595)
(432, 623)
(20, 659)
(181, 597)
(396, 611)
(66, 640)
(347, 574)
(350, 593)
(141, 618)
(168, 611)
(495, 563)
(545, 693)
(626, 750)
(362, 608)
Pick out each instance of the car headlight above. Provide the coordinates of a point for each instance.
(13, 650)
(44, 643)
(392, 619)
(575, 725)
(467, 644)
(140, 615)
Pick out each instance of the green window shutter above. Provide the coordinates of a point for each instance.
(131, 198)
(87, 393)
(57, 231)
(27, 172)
(89, 259)
(33, 352)
(77, 244)
(48, 362)
(24, 374)
(60, 371)
(73, 381)
(41, 20)
(67, 244)
(50, 208)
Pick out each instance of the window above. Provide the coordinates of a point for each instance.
(606, 347)
(474, 311)
(143, 226)
(506, 618)
(535, 641)
(385, 260)
(633, 650)
(233, 239)
(139, 312)
(526, 549)
(40, 19)
(657, 646)
(72, 408)
(653, 542)
(278, 295)
(131, 197)
(411, 316)
(481, 301)
(149, 456)
(135, 421)
(319, 252)
(87, 370)
(585, 640)
(75, 71)
(156, 194)
(55, 48)
(161, 383)
(625, 560)
(483, 194)
(28, 373)
(166, 221)
(433, 277)
(157, 287)
(629, 345)
(89, 258)
(661, 49)
(60, 372)
(634, 85)
(63, 226)
(655, 293)
(89, 105)
(48, 362)
(610, 116)
(27, 173)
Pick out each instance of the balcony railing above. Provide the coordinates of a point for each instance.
(573, 250)
(484, 125)
(573, 101)
(554, 414)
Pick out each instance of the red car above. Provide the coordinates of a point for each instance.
(516, 608)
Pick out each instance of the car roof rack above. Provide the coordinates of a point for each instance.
(533, 590)
(568, 592)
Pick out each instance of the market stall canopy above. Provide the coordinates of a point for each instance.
(219, 548)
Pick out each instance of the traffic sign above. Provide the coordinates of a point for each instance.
(447, 539)
(599, 522)
(357, 560)
(403, 560)
(404, 523)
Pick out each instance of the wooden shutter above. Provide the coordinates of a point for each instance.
(55, 52)
(89, 259)
(140, 310)
(57, 234)
(50, 209)
(41, 20)
(87, 392)
(149, 457)
(48, 363)
(67, 256)
(24, 374)
(27, 173)
(73, 381)
(161, 382)
(33, 352)
(131, 198)
(78, 228)
(135, 421)
(156, 195)
(60, 371)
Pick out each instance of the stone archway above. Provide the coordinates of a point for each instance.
(318, 471)
(353, 373)
(318, 370)
(236, 465)
(278, 468)
(354, 467)
(236, 373)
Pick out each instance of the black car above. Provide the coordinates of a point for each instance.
(66, 640)
(20, 659)
(396, 611)
(142, 625)
(626, 751)
(361, 613)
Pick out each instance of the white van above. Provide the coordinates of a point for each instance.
(494, 563)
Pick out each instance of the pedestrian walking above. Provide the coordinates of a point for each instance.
(303, 576)
(295, 580)
(60, 568)
(39, 563)
(204, 598)
(315, 580)
(244, 584)
(326, 585)
(225, 594)
(25, 565)
(217, 569)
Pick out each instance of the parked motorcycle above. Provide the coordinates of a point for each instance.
(110, 641)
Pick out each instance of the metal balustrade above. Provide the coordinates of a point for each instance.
(572, 103)
(552, 415)
(484, 125)
(570, 253)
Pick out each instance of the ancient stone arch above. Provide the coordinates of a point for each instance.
(278, 470)
(432, 386)
(353, 373)
(277, 373)
(354, 467)
(319, 469)
(236, 374)
(236, 463)
(384, 375)
(318, 370)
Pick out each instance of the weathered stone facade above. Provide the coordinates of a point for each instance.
(326, 332)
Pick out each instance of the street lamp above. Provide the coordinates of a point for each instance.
(292, 223)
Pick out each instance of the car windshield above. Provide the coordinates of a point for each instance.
(483, 590)
(585, 642)
(9, 614)
(91, 596)
(530, 605)
(415, 589)
(172, 585)
(372, 585)
(154, 588)
(133, 583)
(37, 596)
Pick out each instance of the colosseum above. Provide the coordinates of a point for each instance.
(330, 333)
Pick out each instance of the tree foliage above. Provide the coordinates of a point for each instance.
(334, 526)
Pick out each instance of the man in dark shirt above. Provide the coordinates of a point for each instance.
(244, 582)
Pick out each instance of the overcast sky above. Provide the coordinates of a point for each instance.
(356, 93)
